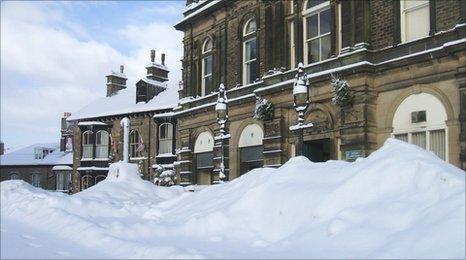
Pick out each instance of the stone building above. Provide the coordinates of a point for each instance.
(97, 131)
(404, 62)
(47, 165)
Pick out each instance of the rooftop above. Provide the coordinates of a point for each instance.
(26, 156)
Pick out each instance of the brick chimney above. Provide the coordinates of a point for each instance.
(157, 71)
(116, 81)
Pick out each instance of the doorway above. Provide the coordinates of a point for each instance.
(317, 150)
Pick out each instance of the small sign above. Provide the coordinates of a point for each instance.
(352, 155)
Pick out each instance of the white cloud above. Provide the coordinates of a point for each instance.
(47, 69)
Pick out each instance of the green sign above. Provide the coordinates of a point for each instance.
(352, 155)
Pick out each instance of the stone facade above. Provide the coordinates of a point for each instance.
(47, 176)
(381, 71)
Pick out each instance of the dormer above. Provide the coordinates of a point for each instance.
(41, 152)
(116, 81)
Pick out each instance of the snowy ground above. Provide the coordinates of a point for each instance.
(400, 202)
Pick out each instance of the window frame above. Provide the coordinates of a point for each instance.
(37, 179)
(247, 38)
(206, 53)
(403, 14)
(307, 13)
(133, 144)
(87, 145)
(66, 177)
(89, 182)
(168, 139)
(99, 147)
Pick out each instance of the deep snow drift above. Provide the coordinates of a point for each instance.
(400, 202)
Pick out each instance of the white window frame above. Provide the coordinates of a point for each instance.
(404, 12)
(88, 147)
(292, 46)
(245, 42)
(427, 131)
(134, 143)
(166, 143)
(101, 151)
(306, 14)
(63, 178)
(208, 54)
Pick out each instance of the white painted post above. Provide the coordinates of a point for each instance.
(125, 123)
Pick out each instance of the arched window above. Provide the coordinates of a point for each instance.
(206, 67)
(204, 151)
(86, 182)
(87, 145)
(101, 144)
(420, 120)
(136, 145)
(99, 178)
(317, 40)
(166, 138)
(35, 180)
(14, 176)
(415, 19)
(250, 68)
(251, 148)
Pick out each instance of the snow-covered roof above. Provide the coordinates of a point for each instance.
(154, 82)
(202, 8)
(118, 74)
(91, 123)
(124, 102)
(26, 156)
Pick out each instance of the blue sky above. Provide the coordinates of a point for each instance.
(55, 55)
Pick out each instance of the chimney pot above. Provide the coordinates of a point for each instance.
(163, 58)
(152, 55)
(122, 68)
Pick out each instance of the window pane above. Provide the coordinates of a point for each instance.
(313, 3)
(437, 143)
(163, 131)
(205, 160)
(253, 153)
(325, 22)
(208, 65)
(208, 45)
(312, 26)
(325, 41)
(417, 23)
(402, 137)
(251, 49)
(208, 84)
(419, 139)
(251, 27)
(251, 72)
(313, 50)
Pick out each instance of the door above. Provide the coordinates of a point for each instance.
(317, 150)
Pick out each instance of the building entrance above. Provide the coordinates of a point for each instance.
(317, 150)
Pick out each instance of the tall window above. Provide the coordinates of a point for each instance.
(63, 180)
(317, 44)
(101, 144)
(420, 120)
(35, 180)
(250, 70)
(206, 67)
(292, 45)
(135, 144)
(87, 145)
(203, 148)
(415, 19)
(166, 138)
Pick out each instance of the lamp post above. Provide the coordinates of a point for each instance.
(301, 103)
(222, 118)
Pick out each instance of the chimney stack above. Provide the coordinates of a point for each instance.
(163, 59)
(116, 82)
(152, 55)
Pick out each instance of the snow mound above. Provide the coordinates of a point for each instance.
(400, 202)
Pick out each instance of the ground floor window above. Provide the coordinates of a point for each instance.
(14, 176)
(251, 158)
(35, 180)
(205, 160)
(63, 180)
(432, 140)
(99, 178)
(86, 182)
